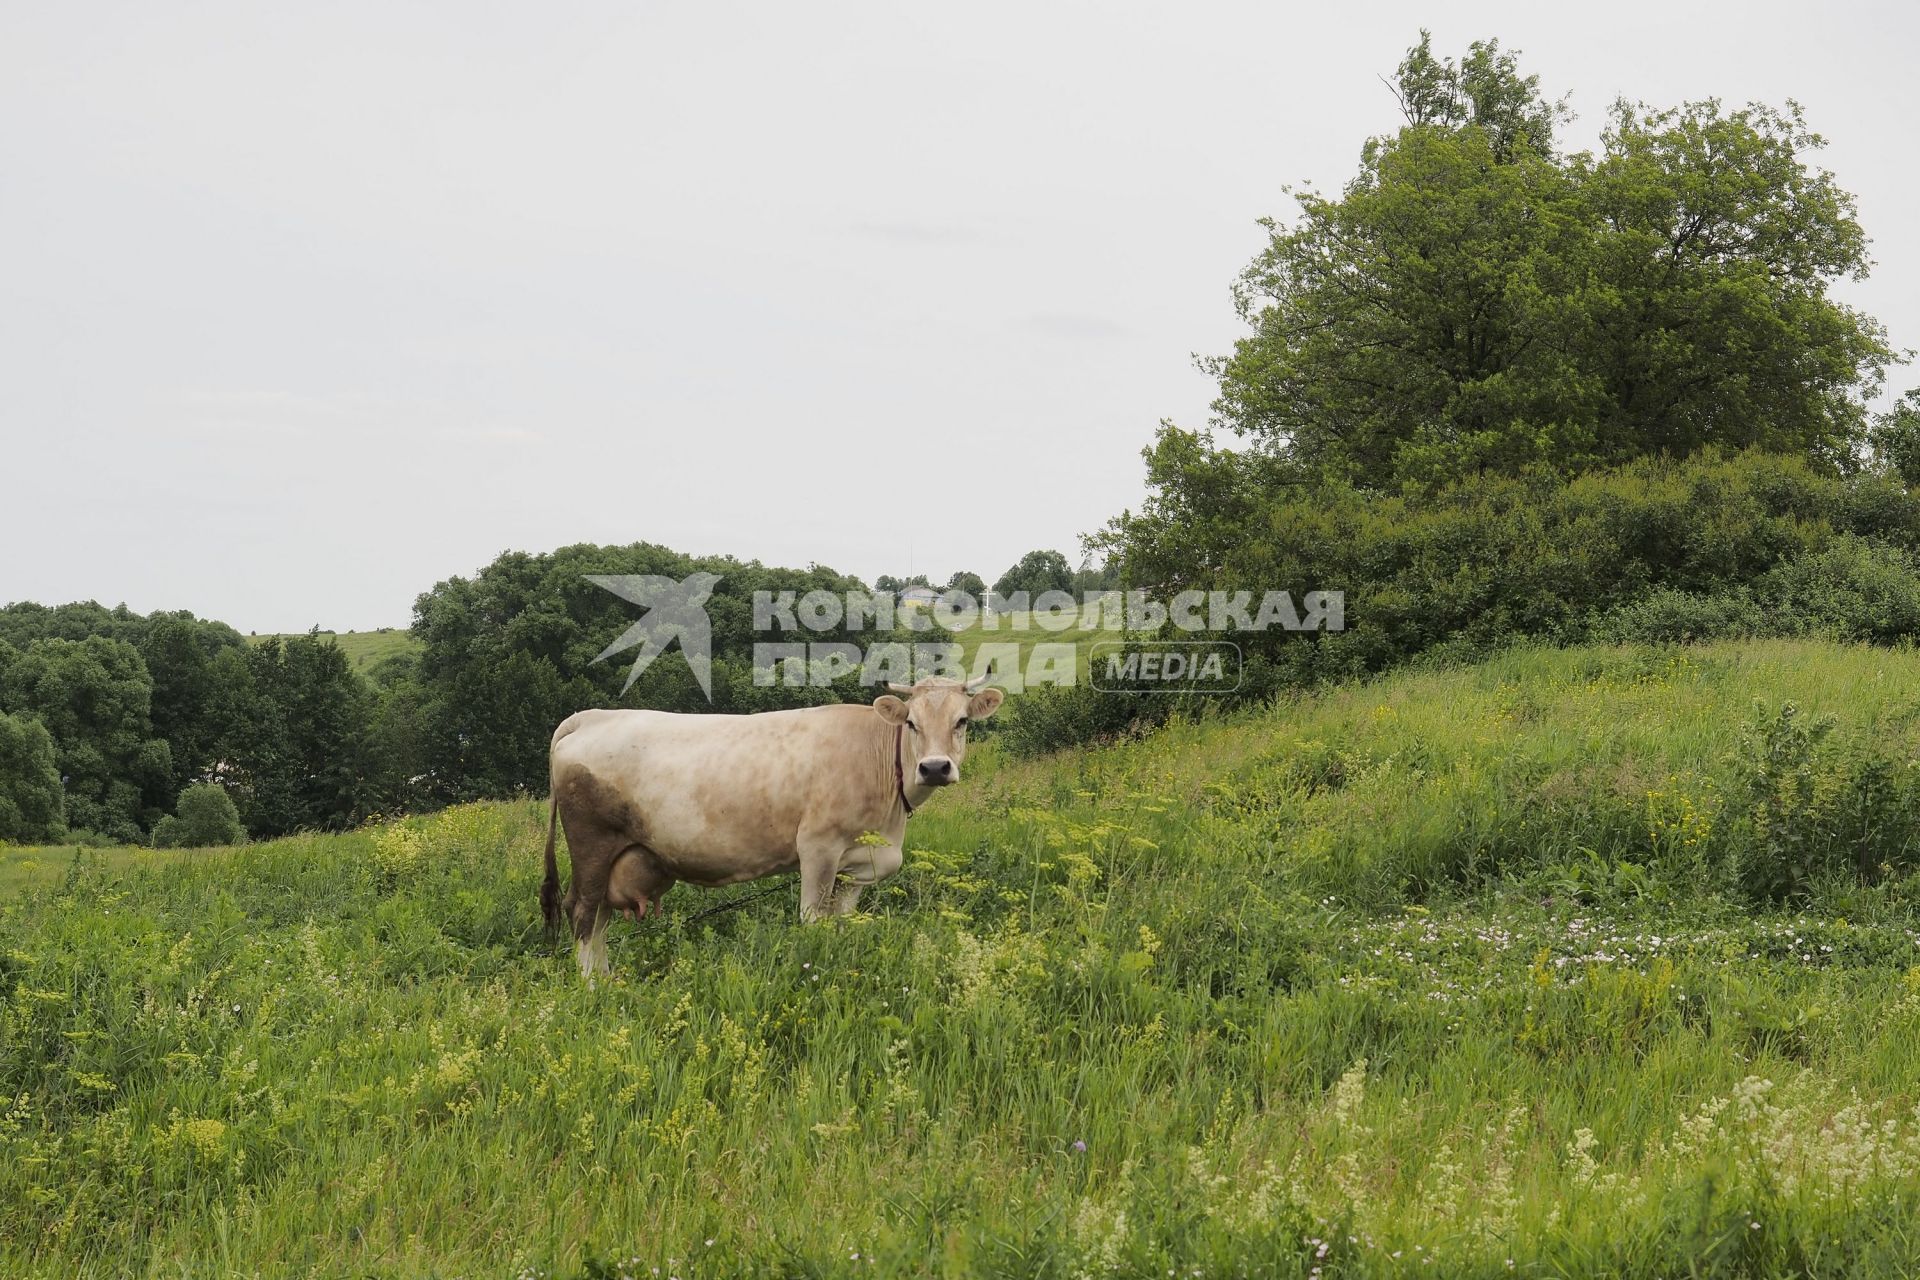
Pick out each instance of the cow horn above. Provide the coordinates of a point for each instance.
(904, 690)
(974, 685)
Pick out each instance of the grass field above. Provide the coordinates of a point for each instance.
(22, 869)
(364, 649)
(1024, 632)
(1576, 963)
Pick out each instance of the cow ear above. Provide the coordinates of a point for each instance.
(891, 709)
(985, 703)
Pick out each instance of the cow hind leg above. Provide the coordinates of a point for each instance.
(593, 851)
(591, 952)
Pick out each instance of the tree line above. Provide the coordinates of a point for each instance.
(123, 728)
(107, 715)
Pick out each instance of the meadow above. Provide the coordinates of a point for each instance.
(1018, 632)
(364, 650)
(1588, 962)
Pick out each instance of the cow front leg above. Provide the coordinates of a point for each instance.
(819, 863)
(862, 865)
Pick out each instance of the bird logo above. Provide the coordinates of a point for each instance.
(674, 613)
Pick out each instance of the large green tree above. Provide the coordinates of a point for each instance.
(1895, 439)
(178, 649)
(32, 803)
(293, 743)
(1475, 301)
(971, 583)
(93, 696)
(509, 653)
(1035, 573)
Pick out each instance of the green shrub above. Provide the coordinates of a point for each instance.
(1714, 546)
(86, 838)
(1668, 616)
(1048, 717)
(1852, 589)
(205, 816)
(1819, 808)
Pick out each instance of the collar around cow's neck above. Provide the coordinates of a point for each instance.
(900, 774)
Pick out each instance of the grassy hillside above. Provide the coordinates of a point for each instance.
(1590, 963)
(364, 649)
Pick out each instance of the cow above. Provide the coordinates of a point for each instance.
(649, 798)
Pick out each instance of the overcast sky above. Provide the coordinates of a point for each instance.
(304, 308)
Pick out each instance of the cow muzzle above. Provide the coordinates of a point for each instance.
(938, 771)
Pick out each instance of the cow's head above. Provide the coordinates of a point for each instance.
(936, 713)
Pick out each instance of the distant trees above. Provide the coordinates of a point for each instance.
(137, 708)
(399, 738)
(93, 696)
(1473, 301)
(1895, 439)
(509, 653)
(293, 746)
(971, 583)
(1091, 577)
(32, 803)
(138, 714)
(179, 652)
(1034, 573)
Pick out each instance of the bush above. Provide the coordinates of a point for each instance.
(1497, 557)
(1853, 590)
(1667, 616)
(205, 816)
(1713, 546)
(1050, 717)
(84, 838)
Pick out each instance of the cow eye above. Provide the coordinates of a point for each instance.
(911, 725)
(962, 724)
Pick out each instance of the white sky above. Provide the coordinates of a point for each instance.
(304, 308)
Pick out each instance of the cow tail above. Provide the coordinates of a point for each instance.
(550, 887)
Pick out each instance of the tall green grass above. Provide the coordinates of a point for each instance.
(1594, 962)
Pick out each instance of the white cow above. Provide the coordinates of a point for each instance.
(650, 797)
